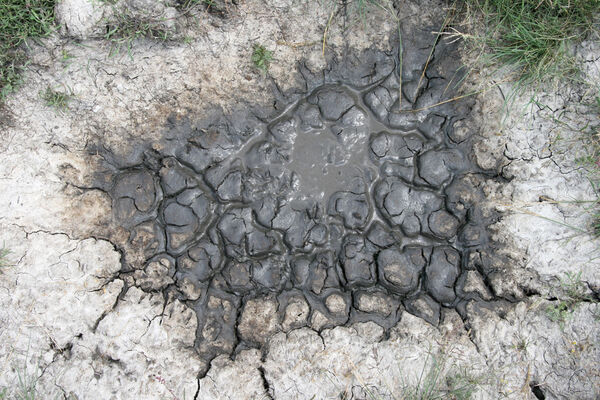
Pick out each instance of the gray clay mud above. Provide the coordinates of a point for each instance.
(341, 204)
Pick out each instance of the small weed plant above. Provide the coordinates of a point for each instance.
(4, 252)
(56, 99)
(574, 293)
(261, 57)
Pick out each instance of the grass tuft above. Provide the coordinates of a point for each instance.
(25, 387)
(20, 20)
(261, 57)
(533, 37)
(590, 163)
(574, 293)
(439, 379)
(436, 383)
(126, 28)
(56, 99)
(4, 252)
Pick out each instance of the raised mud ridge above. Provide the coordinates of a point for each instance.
(344, 205)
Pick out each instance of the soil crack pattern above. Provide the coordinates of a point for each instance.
(344, 205)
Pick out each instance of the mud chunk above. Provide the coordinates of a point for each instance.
(198, 201)
(146, 240)
(424, 307)
(353, 128)
(216, 324)
(296, 221)
(442, 272)
(230, 188)
(403, 169)
(318, 234)
(376, 302)
(394, 147)
(270, 273)
(462, 195)
(226, 181)
(357, 261)
(318, 278)
(400, 271)
(354, 117)
(184, 217)
(336, 304)
(460, 131)
(189, 289)
(263, 154)
(406, 121)
(300, 271)
(473, 234)
(134, 197)
(443, 224)
(197, 265)
(265, 210)
(157, 274)
(353, 208)
(310, 116)
(319, 321)
(379, 101)
(233, 227)
(201, 260)
(173, 179)
(194, 156)
(284, 132)
(380, 236)
(474, 284)
(238, 276)
(260, 243)
(182, 224)
(296, 313)
(333, 102)
(178, 215)
(316, 273)
(432, 127)
(258, 320)
(437, 167)
(405, 206)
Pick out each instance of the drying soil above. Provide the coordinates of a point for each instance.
(193, 227)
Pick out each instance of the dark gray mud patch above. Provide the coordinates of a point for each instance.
(341, 204)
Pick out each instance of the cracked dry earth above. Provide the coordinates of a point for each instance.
(320, 232)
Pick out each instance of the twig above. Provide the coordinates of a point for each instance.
(400, 50)
(296, 45)
(456, 98)
(534, 214)
(437, 38)
(327, 28)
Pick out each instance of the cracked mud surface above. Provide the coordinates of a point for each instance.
(346, 206)
(215, 233)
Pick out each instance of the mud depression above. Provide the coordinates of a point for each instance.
(340, 204)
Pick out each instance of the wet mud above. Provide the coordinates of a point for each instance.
(354, 198)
